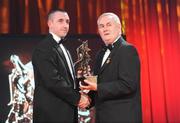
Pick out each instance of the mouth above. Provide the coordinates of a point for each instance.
(64, 31)
(106, 34)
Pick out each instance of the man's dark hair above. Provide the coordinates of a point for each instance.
(52, 11)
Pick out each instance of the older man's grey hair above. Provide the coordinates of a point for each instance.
(114, 16)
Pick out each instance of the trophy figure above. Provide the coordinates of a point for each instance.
(82, 63)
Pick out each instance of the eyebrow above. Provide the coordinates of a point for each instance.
(108, 23)
(104, 24)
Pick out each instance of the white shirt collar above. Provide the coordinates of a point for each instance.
(55, 37)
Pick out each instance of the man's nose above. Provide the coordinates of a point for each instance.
(105, 30)
(66, 25)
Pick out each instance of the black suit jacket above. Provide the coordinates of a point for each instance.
(55, 98)
(118, 98)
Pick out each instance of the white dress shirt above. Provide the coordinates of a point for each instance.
(105, 56)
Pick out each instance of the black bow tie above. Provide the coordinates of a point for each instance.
(61, 41)
(110, 47)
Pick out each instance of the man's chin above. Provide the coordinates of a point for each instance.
(106, 40)
(62, 36)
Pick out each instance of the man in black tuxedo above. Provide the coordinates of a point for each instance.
(117, 91)
(56, 94)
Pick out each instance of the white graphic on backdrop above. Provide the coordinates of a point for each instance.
(21, 85)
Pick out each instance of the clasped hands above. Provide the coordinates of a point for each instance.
(84, 101)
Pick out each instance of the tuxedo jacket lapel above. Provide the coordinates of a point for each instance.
(98, 62)
(61, 53)
(72, 67)
(71, 61)
(62, 57)
(108, 61)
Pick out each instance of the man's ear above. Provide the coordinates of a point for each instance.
(120, 28)
(49, 23)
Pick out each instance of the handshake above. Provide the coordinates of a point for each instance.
(86, 83)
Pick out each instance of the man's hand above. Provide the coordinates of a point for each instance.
(90, 85)
(84, 101)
